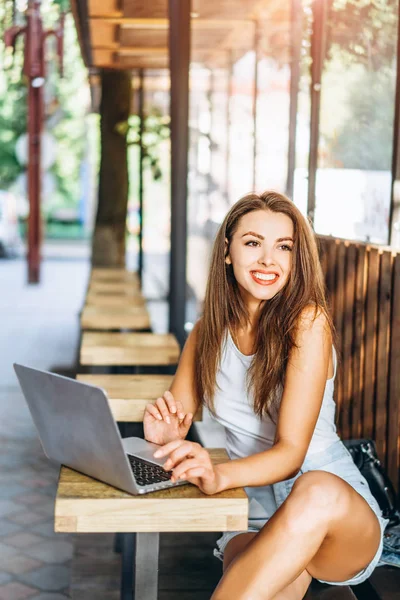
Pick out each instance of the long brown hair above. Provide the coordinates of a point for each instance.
(224, 309)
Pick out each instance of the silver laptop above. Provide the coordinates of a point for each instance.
(76, 428)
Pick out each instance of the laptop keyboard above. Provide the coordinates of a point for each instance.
(147, 473)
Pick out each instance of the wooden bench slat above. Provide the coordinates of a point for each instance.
(107, 349)
(129, 394)
(128, 317)
(112, 275)
(114, 300)
(113, 286)
(370, 343)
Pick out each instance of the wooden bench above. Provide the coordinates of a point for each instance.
(108, 318)
(114, 275)
(121, 287)
(114, 300)
(86, 505)
(129, 394)
(132, 349)
(384, 584)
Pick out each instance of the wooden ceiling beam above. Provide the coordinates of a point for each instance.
(164, 24)
(142, 51)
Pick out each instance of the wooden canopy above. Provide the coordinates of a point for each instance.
(133, 34)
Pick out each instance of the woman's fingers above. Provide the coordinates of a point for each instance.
(164, 409)
(153, 411)
(170, 402)
(170, 447)
(185, 466)
(179, 409)
(188, 419)
(187, 449)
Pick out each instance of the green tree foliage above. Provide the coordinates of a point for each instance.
(66, 103)
(155, 131)
(365, 31)
(359, 84)
(12, 101)
(362, 142)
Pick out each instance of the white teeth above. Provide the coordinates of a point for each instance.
(265, 276)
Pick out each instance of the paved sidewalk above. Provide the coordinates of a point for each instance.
(39, 327)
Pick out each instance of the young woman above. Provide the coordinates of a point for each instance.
(262, 359)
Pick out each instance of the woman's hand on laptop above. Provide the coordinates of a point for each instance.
(166, 420)
(191, 462)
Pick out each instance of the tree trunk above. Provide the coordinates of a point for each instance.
(108, 248)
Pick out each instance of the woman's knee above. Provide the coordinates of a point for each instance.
(316, 497)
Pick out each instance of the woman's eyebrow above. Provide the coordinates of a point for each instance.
(261, 237)
(257, 235)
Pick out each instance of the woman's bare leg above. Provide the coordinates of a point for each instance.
(324, 527)
(294, 591)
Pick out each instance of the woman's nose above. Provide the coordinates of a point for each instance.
(266, 258)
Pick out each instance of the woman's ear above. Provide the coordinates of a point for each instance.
(227, 257)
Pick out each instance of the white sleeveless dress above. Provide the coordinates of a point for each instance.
(247, 434)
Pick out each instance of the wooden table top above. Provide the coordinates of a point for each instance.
(129, 394)
(84, 504)
(123, 317)
(115, 300)
(125, 348)
(113, 287)
(98, 274)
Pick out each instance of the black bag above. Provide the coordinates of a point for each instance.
(364, 455)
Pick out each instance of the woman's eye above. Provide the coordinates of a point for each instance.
(252, 243)
(286, 247)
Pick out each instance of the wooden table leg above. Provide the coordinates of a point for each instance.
(139, 578)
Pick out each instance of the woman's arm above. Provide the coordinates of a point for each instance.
(170, 417)
(183, 384)
(301, 402)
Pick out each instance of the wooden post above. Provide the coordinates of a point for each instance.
(394, 209)
(254, 108)
(34, 71)
(179, 48)
(109, 234)
(295, 52)
(228, 123)
(141, 156)
(318, 50)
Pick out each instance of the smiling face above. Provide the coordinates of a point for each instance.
(260, 253)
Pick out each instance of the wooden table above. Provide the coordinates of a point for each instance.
(129, 394)
(118, 349)
(86, 505)
(113, 287)
(112, 274)
(123, 317)
(114, 300)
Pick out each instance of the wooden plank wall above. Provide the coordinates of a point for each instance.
(363, 284)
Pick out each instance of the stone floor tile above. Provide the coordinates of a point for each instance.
(47, 529)
(27, 517)
(38, 482)
(51, 551)
(10, 490)
(51, 596)
(6, 527)
(51, 578)
(46, 507)
(16, 591)
(23, 539)
(6, 550)
(18, 563)
(30, 498)
(8, 507)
